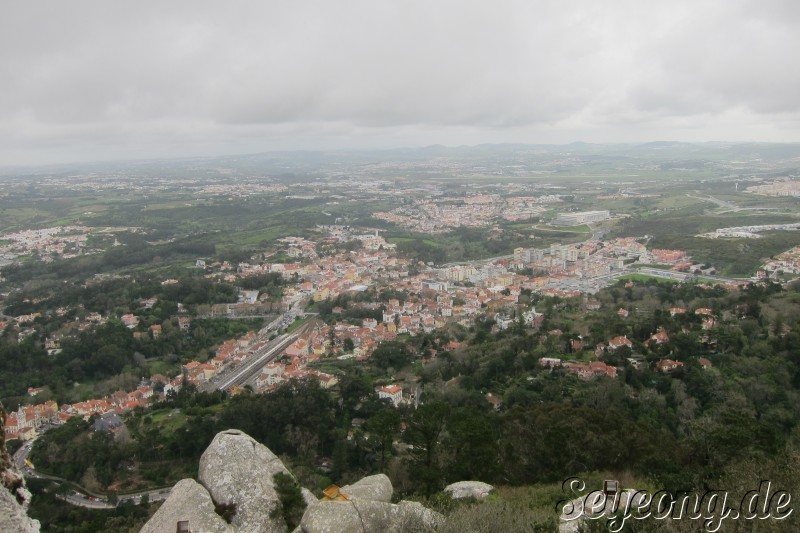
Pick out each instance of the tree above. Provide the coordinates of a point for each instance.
(384, 425)
(291, 504)
(392, 354)
(348, 345)
(423, 433)
(472, 445)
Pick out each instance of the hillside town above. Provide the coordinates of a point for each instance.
(428, 299)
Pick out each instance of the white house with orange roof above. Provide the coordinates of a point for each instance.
(130, 320)
(271, 374)
(619, 342)
(659, 337)
(668, 365)
(394, 393)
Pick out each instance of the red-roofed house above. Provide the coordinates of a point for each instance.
(659, 337)
(619, 342)
(392, 392)
(668, 365)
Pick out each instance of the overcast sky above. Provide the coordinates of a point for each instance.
(106, 80)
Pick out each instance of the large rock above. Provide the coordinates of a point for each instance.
(14, 495)
(308, 496)
(13, 514)
(237, 471)
(418, 514)
(576, 513)
(468, 489)
(368, 516)
(377, 488)
(188, 501)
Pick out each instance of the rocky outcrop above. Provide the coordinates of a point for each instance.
(14, 496)
(308, 496)
(419, 516)
(237, 471)
(368, 516)
(468, 489)
(368, 509)
(189, 501)
(236, 480)
(575, 513)
(377, 488)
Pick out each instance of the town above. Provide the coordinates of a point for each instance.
(344, 314)
(433, 298)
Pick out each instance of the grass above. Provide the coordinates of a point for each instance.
(676, 202)
(169, 420)
(645, 277)
(296, 325)
(159, 366)
(398, 240)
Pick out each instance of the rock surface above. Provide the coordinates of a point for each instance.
(308, 496)
(236, 474)
(237, 471)
(13, 515)
(377, 488)
(468, 489)
(575, 513)
(369, 509)
(417, 513)
(368, 516)
(14, 496)
(188, 501)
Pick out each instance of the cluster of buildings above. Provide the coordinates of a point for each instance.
(47, 243)
(430, 300)
(241, 190)
(748, 232)
(597, 367)
(787, 262)
(784, 187)
(443, 214)
(28, 420)
(580, 217)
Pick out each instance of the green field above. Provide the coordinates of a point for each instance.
(645, 277)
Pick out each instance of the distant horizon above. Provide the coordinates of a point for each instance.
(366, 150)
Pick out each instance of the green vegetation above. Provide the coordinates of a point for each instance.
(725, 426)
(56, 516)
(676, 430)
(732, 257)
(291, 505)
(463, 244)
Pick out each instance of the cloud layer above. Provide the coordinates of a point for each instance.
(102, 80)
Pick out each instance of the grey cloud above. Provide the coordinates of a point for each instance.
(264, 74)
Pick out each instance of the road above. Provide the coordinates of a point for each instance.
(685, 276)
(727, 207)
(81, 499)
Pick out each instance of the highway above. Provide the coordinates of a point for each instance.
(685, 276)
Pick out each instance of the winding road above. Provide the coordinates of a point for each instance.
(83, 499)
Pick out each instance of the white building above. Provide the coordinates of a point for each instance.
(581, 217)
(392, 392)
